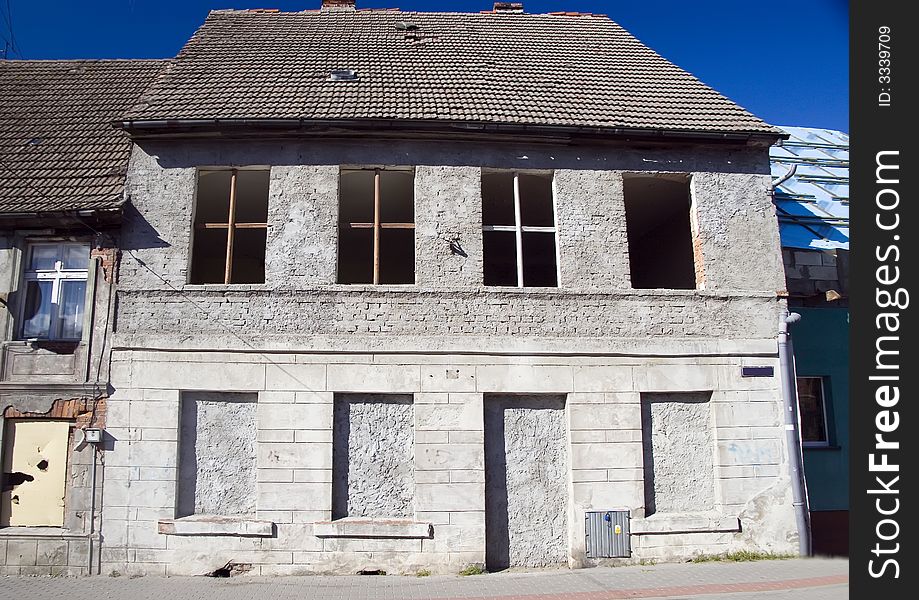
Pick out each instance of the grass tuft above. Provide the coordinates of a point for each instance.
(740, 556)
(423, 573)
(474, 569)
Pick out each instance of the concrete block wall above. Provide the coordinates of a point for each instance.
(294, 447)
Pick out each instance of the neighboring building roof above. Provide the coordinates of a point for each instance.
(568, 70)
(58, 149)
(813, 205)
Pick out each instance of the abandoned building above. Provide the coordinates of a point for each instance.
(405, 291)
(813, 209)
(62, 173)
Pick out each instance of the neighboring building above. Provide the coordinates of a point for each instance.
(408, 291)
(813, 211)
(62, 169)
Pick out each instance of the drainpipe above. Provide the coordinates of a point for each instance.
(92, 510)
(792, 432)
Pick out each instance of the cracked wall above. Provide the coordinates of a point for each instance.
(678, 447)
(373, 456)
(217, 457)
(526, 481)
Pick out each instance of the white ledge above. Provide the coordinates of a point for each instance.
(216, 525)
(373, 528)
(684, 523)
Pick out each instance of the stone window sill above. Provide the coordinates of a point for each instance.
(373, 528)
(684, 523)
(41, 532)
(216, 525)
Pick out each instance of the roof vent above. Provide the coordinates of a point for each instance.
(405, 26)
(338, 4)
(508, 7)
(343, 75)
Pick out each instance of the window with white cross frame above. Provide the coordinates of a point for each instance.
(54, 291)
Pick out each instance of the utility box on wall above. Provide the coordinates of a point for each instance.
(607, 534)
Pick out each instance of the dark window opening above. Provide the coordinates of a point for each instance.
(231, 227)
(376, 228)
(657, 211)
(812, 407)
(518, 230)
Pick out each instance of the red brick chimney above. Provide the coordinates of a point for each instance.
(338, 4)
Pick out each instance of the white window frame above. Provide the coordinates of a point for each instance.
(518, 228)
(56, 276)
(826, 425)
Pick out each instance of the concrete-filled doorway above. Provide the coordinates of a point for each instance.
(526, 481)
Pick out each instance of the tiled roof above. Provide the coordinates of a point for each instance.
(58, 149)
(545, 70)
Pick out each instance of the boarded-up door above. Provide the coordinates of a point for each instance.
(35, 468)
(526, 481)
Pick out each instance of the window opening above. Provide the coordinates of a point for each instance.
(55, 291)
(518, 230)
(231, 227)
(376, 227)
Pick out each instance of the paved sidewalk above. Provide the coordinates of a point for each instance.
(811, 579)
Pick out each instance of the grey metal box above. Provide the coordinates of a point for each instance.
(607, 534)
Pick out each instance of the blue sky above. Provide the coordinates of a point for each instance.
(786, 61)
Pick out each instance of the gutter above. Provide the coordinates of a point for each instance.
(157, 127)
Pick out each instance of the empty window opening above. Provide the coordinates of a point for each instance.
(55, 290)
(518, 229)
(373, 470)
(678, 446)
(217, 459)
(231, 227)
(661, 249)
(812, 408)
(34, 472)
(376, 229)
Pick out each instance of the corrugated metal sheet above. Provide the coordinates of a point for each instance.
(813, 205)
(607, 534)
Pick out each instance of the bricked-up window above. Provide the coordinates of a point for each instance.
(376, 226)
(518, 229)
(231, 226)
(812, 407)
(55, 291)
(658, 213)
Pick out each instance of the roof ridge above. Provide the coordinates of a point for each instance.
(79, 60)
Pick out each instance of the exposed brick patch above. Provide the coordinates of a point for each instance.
(86, 412)
(110, 258)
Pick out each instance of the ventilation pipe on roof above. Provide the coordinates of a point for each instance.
(338, 4)
(508, 7)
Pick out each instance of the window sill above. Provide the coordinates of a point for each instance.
(373, 528)
(18, 531)
(206, 525)
(684, 523)
(820, 447)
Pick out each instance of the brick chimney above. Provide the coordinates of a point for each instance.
(338, 4)
(508, 7)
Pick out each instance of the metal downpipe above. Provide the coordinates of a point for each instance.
(792, 432)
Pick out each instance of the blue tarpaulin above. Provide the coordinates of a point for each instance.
(813, 205)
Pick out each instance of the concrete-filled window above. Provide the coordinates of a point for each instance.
(812, 408)
(376, 226)
(54, 282)
(518, 229)
(660, 223)
(373, 441)
(34, 472)
(678, 445)
(231, 226)
(526, 481)
(217, 454)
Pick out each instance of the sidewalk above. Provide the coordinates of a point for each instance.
(816, 579)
